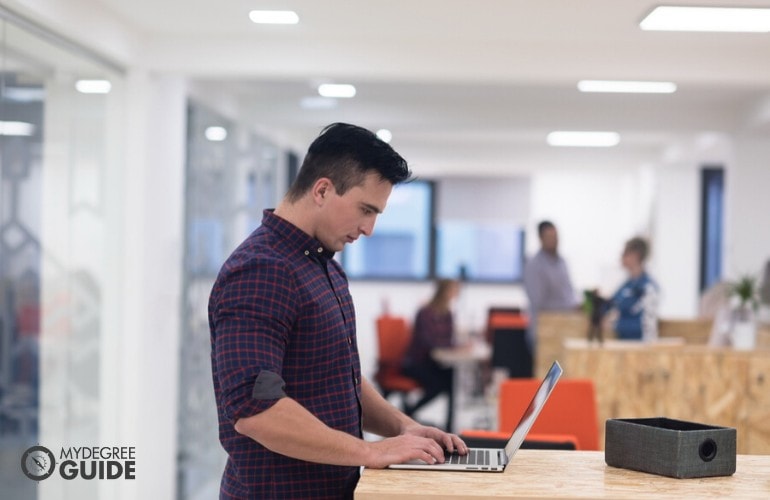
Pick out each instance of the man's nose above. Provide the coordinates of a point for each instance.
(367, 228)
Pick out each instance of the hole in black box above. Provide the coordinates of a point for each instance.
(707, 450)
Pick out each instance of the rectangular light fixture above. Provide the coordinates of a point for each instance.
(274, 17)
(720, 19)
(341, 90)
(19, 129)
(624, 86)
(93, 86)
(583, 139)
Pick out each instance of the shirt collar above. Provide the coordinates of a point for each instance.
(296, 238)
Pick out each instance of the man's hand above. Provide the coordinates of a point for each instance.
(450, 442)
(417, 443)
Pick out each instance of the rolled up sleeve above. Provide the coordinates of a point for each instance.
(250, 316)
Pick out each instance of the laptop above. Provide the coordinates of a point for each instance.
(496, 459)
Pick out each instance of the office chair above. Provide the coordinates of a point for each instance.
(568, 420)
(393, 338)
(507, 334)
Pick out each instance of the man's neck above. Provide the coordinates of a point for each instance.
(294, 213)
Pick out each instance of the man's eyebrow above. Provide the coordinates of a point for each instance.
(372, 207)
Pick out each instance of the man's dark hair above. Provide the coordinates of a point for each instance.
(345, 154)
(546, 224)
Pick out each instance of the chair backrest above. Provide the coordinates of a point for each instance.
(506, 332)
(393, 338)
(571, 409)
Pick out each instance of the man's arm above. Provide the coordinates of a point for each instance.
(384, 419)
(289, 429)
(533, 285)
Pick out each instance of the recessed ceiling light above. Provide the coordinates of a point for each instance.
(626, 86)
(385, 135)
(93, 86)
(215, 133)
(342, 90)
(16, 128)
(25, 94)
(727, 19)
(583, 139)
(274, 17)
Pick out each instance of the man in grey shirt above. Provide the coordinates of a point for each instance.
(546, 280)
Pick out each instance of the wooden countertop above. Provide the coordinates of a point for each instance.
(564, 474)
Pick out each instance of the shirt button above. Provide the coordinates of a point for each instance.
(350, 341)
(320, 249)
(307, 252)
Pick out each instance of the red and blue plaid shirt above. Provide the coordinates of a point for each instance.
(281, 307)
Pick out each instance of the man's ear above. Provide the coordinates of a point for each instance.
(322, 188)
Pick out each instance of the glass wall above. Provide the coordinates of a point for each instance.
(59, 217)
(232, 175)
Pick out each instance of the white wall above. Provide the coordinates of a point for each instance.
(146, 389)
(747, 232)
(595, 212)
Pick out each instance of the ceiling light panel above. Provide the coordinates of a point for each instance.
(340, 90)
(93, 86)
(274, 17)
(624, 86)
(724, 19)
(583, 139)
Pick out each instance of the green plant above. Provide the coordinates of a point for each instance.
(745, 288)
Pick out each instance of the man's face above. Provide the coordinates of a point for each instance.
(549, 239)
(352, 214)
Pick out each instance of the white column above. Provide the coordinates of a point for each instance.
(146, 388)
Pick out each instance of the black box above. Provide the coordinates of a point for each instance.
(668, 447)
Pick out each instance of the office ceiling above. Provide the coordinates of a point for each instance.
(466, 86)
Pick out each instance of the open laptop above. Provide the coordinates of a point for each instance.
(495, 459)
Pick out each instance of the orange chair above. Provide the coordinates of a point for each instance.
(569, 413)
(393, 337)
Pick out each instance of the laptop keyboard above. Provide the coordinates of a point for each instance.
(473, 457)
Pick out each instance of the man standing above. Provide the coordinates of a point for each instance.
(546, 280)
(291, 401)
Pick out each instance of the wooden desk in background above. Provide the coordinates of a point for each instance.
(717, 386)
(563, 474)
(554, 327)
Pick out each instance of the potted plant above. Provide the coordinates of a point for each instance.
(744, 295)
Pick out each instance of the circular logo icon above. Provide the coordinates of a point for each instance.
(38, 463)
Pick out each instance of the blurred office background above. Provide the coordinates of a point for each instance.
(140, 142)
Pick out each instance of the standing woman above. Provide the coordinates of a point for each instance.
(433, 327)
(637, 300)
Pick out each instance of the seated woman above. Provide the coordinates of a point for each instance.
(636, 301)
(433, 327)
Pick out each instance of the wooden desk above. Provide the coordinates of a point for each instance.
(564, 474)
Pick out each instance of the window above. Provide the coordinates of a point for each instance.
(420, 236)
(712, 201)
(480, 252)
(400, 246)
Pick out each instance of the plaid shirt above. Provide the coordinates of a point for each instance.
(281, 304)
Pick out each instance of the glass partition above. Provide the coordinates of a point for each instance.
(232, 175)
(59, 217)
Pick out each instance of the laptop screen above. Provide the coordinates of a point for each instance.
(533, 410)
